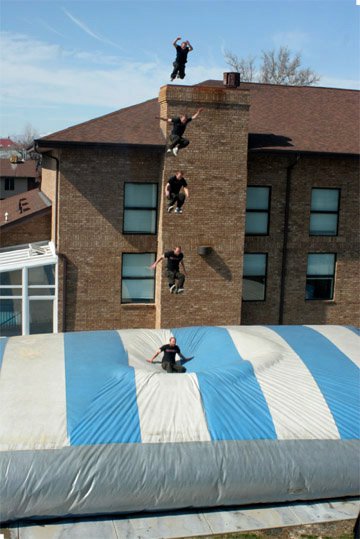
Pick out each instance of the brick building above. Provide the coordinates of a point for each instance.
(273, 180)
(18, 177)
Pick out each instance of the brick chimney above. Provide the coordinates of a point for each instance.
(213, 219)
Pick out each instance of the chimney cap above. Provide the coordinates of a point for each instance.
(231, 79)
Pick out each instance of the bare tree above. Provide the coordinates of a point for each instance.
(278, 67)
(26, 139)
(244, 66)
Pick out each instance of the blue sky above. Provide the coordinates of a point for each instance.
(65, 62)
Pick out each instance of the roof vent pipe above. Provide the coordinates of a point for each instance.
(232, 80)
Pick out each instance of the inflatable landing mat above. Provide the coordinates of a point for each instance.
(263, 414)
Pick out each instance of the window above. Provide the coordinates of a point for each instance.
(41, 316)
(257, 211)
(11, 303)
(41, 289)
(324, 213)
(138, 281)
(140, 208)
(320, 276)
(9, 184)
(254, 276)
(27, 301)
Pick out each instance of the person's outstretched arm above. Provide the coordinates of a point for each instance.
(183, 358)
(167, 190)
(183, 267)
(154, 356)
(190, 47)
(163, 119)
(186, 191)
(153, 266)
(175, 41)
(196, 114)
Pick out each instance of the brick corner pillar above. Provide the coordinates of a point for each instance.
(215, 167)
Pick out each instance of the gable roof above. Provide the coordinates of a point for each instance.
(303, 118)
(282, 118)
(27, 169)
(23, 206)
(131, 125)
(6, 143)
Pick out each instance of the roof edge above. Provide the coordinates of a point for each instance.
(304, 152)
(25, 218)
(50, 144)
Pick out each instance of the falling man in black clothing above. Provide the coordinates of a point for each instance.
(174, 259)
(181, 58)
(176, 191)
(168, 361)
(176, 140)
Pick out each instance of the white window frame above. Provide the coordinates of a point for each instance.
(31, 256)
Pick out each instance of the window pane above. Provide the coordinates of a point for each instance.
(140, 221)
(254, 264)
(323, 224)
(9, 184)
(140, 290)
(141, 195)
(254, 288)
(11, 291)
(321, 264)
(137, 265)
(41, 316)
(324, 199)
(257, 198)
(256, 223)
(10, 317)
(319, 288)
(42, 275)
(41, 291)
(10, 277)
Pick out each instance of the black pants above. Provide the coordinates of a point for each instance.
(172, 275)
(179, 198)
(172, 367)
(176, 140)
(178, 69)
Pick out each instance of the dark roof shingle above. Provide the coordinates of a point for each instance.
(283, 118)
(18, 170)
(22, 206)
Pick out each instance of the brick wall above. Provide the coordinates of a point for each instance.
(332, 172)
(90, 235)
(215, 166)
(36, 228)
(48, 185)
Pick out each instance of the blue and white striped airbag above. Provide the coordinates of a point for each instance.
(263, 414)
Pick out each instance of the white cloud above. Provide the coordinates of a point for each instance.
(47, 74)
(48, 27)
(87, 30)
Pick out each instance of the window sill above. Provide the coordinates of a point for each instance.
(141, 305)
(320, 300)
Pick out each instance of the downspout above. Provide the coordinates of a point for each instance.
(60, 255)
(289, 170)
